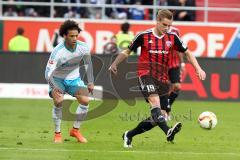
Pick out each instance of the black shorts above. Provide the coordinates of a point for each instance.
(149, 85)
(174, 75)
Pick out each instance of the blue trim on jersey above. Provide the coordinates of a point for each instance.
(82, 43)
(46, 72)
(55, 51)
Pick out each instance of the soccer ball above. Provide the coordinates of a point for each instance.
(207, 120)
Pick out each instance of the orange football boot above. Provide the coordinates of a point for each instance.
(58, 137)
(77, 134)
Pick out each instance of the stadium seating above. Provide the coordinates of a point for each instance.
(219, 16)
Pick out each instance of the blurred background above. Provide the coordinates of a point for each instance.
(211, 28)
(28, 34)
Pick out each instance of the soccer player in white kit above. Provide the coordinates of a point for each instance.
(62, 75)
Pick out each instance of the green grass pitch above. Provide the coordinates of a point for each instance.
(26, 133)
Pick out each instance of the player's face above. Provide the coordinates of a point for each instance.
(71, 38)
(164, 25)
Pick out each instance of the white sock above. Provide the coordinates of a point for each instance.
(57, 117)
(81, 115)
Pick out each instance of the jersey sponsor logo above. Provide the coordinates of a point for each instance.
(67, 64)
(158, 52)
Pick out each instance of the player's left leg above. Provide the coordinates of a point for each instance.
(174, 76)
(174, 94)
(165, 107)
(78, 89)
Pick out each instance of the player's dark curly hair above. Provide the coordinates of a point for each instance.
(68, 25)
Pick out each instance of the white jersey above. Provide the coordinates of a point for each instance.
(64, 62)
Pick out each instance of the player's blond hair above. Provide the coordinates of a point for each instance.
(164, 13)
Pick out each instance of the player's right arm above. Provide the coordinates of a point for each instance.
(51, 66)
(137, 41)
(121, 57)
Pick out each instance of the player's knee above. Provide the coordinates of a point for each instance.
(58, 101)
(84, 100)
(82, 92)
(150, 119)
(156, 115)
(154, 100)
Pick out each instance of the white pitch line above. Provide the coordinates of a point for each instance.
(121, 151)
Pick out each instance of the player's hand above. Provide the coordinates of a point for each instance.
(113, 69)
(90, 87)
(201, 74)
(58, 90)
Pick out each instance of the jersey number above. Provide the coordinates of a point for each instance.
(150, 88)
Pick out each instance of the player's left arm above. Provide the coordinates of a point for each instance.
(180, 54)
(181, 47)
(199, 71)
(89, 70)
(182, 63)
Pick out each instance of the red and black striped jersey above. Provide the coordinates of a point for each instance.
(174, 60)
(155, 50)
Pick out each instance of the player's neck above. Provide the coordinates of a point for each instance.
(70, 47)
(156, 32)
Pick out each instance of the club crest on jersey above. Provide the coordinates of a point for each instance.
(168, 44)
(51, 62)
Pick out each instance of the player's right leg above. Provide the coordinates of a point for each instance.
(159, 119)
(152, 92)
(57, 114)
(57, 92)
(142, 127)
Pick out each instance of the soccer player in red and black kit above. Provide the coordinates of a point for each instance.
(152, 70)
(175, 65)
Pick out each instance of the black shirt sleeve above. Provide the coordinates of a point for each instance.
(136, 42)
(179, 45)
